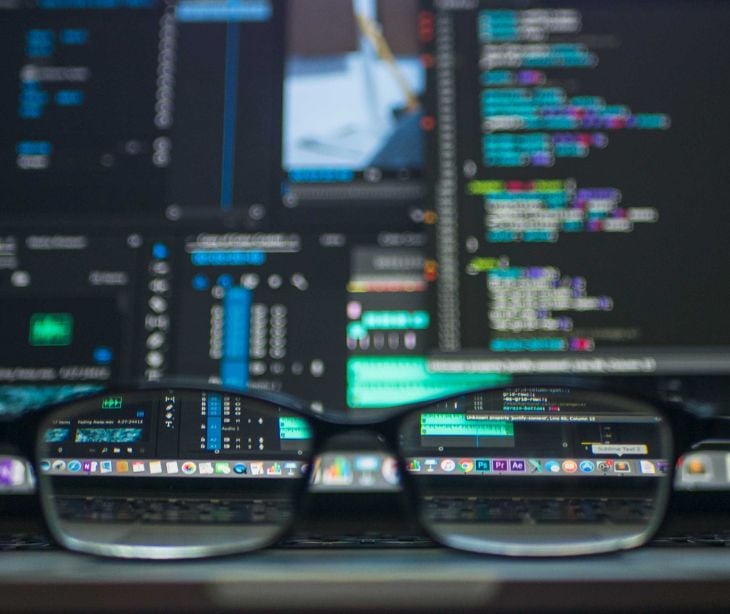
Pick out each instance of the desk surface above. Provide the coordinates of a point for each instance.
(422, 580)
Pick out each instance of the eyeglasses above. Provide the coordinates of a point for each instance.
(528, 470)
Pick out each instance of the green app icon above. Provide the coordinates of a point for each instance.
(112, 403)
(51, 329)
(222, 468)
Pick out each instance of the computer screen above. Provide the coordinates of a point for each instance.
(360, 203)
(580, 177)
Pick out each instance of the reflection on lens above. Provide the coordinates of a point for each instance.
(172, 474)
(539, 471)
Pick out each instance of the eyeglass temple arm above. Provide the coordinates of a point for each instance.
(711, 429)
(17, 435)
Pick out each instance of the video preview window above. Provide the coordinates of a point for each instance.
(352, 88)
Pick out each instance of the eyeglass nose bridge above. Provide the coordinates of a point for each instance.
(383, 424)
(381, 435)
(376, 438)
(354, 437)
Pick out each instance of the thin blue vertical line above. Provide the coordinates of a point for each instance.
(230, 98)
(236, 331)
(214, 423)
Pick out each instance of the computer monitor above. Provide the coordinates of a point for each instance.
(424, 198)
(579, 178)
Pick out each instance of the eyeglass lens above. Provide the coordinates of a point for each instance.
(176, 474)
(184, 473)
(538, 471)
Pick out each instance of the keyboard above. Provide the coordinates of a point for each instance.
(538, 510)
(174, 510)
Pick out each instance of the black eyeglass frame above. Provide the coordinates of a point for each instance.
(686, 431)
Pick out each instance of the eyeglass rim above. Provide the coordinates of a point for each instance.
(325, 426)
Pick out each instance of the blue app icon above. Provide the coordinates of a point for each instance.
(200, 282)
(74, 466)
(103, 355)
(159, 251)
(482, 464)
(240, 469)
(225, 281)
(587, 466)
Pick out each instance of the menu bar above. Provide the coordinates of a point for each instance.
(522, 467)
(173, 468)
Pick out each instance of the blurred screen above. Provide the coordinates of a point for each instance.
(360, 203)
